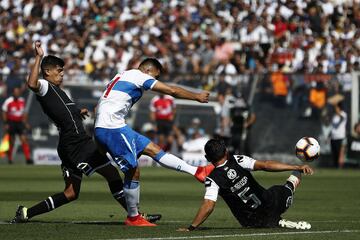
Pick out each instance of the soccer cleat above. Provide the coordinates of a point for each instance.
(138, 221)
(151, 217)
(297, 225)
(203, 172)
(20, 215)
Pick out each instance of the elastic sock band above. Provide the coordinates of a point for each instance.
(159, 155)
(131, 184)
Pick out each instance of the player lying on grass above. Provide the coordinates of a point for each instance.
(123, 143)
(77, 151)
(250, 203)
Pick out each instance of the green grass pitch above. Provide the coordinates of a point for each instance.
(329, 200)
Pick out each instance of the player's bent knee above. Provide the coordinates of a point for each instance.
(152, 150)
(71, 194)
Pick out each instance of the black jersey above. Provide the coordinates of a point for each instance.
(61, 110)
(246, 198)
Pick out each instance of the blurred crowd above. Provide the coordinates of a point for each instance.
(303, 50)
(99, 38)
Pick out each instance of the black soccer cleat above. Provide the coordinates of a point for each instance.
(151, 217)
(20, 215)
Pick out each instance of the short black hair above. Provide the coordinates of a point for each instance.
(51, 61)
(215, 150)
(151, 62)
(341, 104)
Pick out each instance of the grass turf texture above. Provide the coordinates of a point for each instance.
(329, 200)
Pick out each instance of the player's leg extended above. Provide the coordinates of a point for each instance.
(292, 183)
(132, 191)
(132, 195)
(294, 180)
(112, 176)
(171, 161)
(71, 193)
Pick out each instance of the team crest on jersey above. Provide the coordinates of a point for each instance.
(231, 174)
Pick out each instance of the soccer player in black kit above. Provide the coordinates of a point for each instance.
(250, 203)
(78, 153)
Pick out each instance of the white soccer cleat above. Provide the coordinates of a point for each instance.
(296, 225)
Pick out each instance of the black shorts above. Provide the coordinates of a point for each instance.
(81, 151)
(164, 127)
(280, 199)
(16, 128)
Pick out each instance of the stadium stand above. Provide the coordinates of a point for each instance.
(213, 45)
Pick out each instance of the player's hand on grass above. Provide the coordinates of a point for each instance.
(203, 97)
(306, 169)
(84, 113)
(38, 49)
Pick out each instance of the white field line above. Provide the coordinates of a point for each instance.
(176, 221)
(244, 235)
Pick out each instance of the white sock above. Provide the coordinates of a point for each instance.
(173, 162)
(132, 200)
(295, 180)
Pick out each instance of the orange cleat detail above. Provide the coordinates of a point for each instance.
(203, 172)
(138, 221)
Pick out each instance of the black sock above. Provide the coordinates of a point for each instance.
(47, 205)
(290, 185)
(116, 188)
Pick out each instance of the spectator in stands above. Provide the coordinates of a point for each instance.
(353, 147)
(338, 131)
(3, 90)
(317, 99)
(15, 119)
(280, 87)
(98, 32)
(162, 112)
(195, 130)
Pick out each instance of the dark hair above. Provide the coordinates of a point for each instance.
(151, 62)
(356, 125)
(341, 104)
(215, 150)
(51, 61)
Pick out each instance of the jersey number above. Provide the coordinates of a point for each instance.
(110, 86)
(252, 196)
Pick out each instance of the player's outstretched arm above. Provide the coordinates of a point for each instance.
(179, 92)
(204, 212)
(275, 166)
(33, 82)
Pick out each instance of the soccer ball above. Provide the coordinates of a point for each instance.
(307, 149)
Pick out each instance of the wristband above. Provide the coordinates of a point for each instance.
(191, 228)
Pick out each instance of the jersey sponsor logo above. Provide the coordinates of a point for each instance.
(231, 174)
(239, 184)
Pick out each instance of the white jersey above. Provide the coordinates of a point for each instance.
(123, 91)
(338, 123)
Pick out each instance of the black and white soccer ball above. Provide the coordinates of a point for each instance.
(307, 149)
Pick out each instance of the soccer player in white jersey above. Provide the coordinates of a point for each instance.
(124, 144)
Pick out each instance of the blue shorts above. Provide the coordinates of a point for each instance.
(123, 144)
